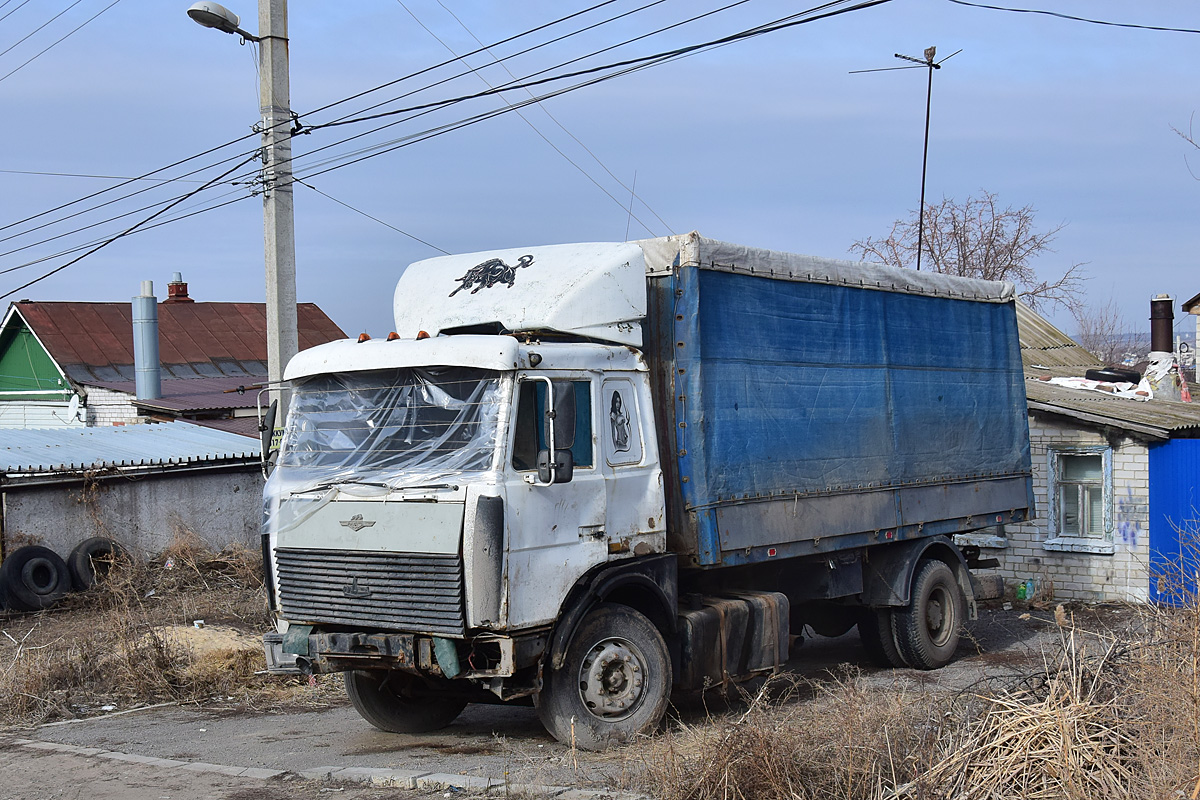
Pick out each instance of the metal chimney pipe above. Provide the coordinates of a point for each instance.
(1162, 323)
(145, 344)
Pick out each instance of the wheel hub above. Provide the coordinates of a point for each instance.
(612, 679)
(935, 615)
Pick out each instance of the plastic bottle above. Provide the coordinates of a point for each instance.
(1029, 589)
(1021, 591)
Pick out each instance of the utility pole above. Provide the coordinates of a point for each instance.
(275, 180)
(279, 228)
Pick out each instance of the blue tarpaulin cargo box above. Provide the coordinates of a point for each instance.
(818, 404)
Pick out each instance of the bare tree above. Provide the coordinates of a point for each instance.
(978, 239)
(1104, 331)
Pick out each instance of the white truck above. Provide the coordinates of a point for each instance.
(585, 476)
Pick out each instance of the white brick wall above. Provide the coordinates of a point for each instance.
(1120, 576)
(106, 408)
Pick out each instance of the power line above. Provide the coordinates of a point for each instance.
(368, 216)
(524, 119)
(555, 120)
(39, 27)
(622, 68)
(59, 41)
(629, 66)
(123, 233)
(83, 175)
(451, 61)
(9, 14)
(322, 108)
(1077, 19)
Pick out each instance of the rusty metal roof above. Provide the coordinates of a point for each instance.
(193, 394)
(179, 444)
(1044, 345)
(93, 342)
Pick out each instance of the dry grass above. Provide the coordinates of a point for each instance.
(124, 643)
(1110, 714)
(801, 739)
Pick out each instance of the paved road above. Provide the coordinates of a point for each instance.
(487, 744)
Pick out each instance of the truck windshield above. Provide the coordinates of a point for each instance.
(392, 425)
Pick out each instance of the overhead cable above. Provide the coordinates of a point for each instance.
(1075, 18)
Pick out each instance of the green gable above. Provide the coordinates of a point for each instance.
(26, 370)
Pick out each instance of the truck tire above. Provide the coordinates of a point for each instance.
(399, 703)
(91, 559)
(875, 628)
(614, 685)
(927, 630)
(33, 578)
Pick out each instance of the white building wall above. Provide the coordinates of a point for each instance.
(1115, 569)
(106, 408)
(38, 414)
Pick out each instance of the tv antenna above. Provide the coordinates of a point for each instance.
(917, 63)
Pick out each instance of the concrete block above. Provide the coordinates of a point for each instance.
(219, 769)
(442, 780)
(403, 778)
(319, 773)
(255, 772)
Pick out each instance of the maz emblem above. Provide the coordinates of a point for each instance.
(491, 272)
(357, 523)
(352, 589)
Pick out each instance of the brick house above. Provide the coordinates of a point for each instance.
(1114, 480)
(71, 364)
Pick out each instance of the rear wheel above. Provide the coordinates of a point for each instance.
(399, 702)
(614, 684)
(927, 631)
(878, 639)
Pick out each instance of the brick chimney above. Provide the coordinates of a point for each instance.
(177, 290)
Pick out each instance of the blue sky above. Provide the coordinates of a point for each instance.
(770, 142)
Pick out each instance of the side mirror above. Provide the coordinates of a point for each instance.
(558, 470)
(266, 433)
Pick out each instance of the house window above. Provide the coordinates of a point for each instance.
(1081, 495)
(1080, 499)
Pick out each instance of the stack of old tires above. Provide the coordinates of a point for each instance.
(34, 577)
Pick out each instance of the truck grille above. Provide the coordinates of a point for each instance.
(411, 592)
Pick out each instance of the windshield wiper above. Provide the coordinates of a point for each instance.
(451, 486)
(355, 481)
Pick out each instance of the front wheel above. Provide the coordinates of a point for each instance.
(614, 684)
(400, 703)
(927, 631)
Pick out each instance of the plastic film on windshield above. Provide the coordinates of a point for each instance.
(368, 432)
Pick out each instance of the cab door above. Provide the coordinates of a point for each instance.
(635, 507)
(556, 531)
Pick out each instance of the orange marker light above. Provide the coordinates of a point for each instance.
(364, 337)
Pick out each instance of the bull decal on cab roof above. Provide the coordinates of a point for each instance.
(491, 272)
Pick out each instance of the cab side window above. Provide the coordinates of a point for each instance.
(530, 434)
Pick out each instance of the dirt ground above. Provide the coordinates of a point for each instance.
(162, 663)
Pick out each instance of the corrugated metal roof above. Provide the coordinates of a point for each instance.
(193, 394)
(163, 444)
(1156, 418)
(94, 341)
(1042, 344)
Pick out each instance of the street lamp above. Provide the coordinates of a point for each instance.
(279, 232)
